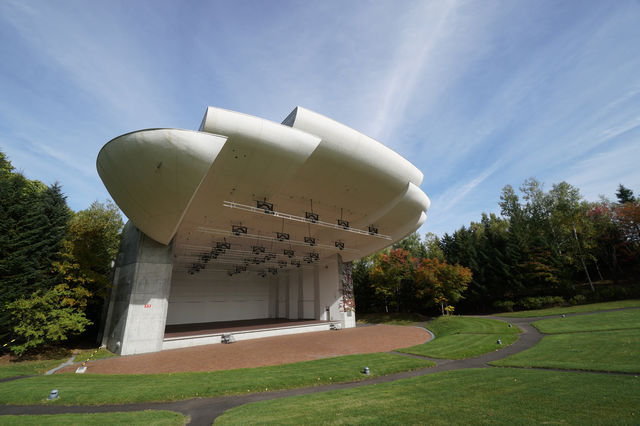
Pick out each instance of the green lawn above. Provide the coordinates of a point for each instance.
(28, 368)
(83, 389)
(604, 341)
(573, 309)
(597, 350)
(617, 320)
(85, 355)
(447, 325)
(464, 337)
(156, 417)
(479, 396)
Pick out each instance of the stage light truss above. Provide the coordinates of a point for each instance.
(194, 258)
(311, 218)
(265, 238)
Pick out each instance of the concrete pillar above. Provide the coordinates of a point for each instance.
(347, 302)
(283, 296)
(335, 291)
(137, 311)
(273, 296)
(294, 294)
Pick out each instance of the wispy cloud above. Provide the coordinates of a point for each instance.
(476, 95)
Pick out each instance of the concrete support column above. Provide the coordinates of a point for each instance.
(273, 296)
(137, 313)
(347, 302)
(283, 296)
(335, 291)
(294, 294)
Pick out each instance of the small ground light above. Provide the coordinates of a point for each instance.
(509, 325)
(53, 394)
(366, 371)
(499, 342)
(564, 316)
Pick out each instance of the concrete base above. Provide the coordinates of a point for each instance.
(137, 311)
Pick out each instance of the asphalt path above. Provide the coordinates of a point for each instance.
(203, 411)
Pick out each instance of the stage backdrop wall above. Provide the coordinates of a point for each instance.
(218, 297)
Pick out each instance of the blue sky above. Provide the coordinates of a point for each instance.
(476, 94)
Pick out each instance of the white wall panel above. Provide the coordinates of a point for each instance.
(217, 297)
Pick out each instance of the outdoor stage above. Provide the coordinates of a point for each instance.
(187, 335)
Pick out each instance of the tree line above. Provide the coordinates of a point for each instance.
(546, 248)
(54, 262)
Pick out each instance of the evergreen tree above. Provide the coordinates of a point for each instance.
(33, 221)
(624, 195)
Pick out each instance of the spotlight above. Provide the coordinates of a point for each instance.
(237, 229)
(266, 207)
(288, 252)
(282, 236)
(310, 240)
(340, 245)
(257, 249)
(373, 230)
(343, 223)
(225, 245)
(311, 217)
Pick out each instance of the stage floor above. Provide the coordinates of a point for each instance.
(225, 327)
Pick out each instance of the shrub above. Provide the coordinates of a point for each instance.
(504, 305)
(578, 300)
(540, 302)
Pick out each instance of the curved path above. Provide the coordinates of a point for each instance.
(203, 411)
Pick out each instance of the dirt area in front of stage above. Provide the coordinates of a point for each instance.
(261, 352)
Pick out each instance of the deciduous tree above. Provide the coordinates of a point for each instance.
(443, 283)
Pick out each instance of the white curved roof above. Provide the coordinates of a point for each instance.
(194, 187)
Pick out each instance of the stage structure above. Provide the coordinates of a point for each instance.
(247, 228)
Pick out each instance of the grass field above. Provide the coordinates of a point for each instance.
(605, 341)
(116, 389)
(156, 418)
(617, 320)
(479, 396)
(28, 368)
(634, 303)
(599, 351)
(85, 355)
(464, 337)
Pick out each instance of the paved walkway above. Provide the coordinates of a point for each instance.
(276, 350)
(203, 411)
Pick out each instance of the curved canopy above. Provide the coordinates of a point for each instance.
(244, 193)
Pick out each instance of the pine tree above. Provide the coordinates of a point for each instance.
(34, 221)
(624, 195)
